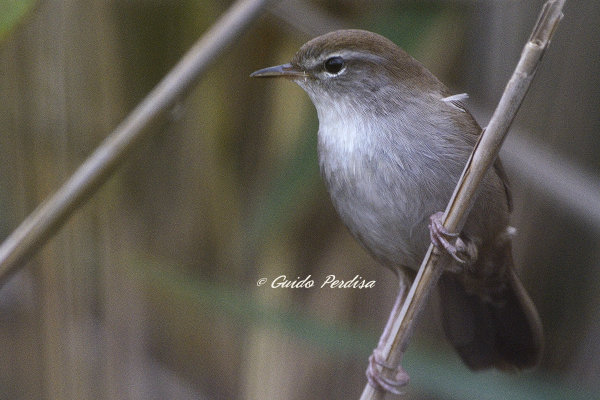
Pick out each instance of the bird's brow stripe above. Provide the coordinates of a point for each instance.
(357, 55)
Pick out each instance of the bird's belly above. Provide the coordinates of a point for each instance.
(386, 194)
(388, 217)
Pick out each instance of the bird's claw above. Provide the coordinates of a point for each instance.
(378, 381)
(439, 237)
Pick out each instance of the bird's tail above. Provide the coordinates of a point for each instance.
(495, 327)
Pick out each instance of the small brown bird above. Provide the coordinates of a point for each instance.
(392, 144)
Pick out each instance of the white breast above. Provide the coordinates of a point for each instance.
(369, 185)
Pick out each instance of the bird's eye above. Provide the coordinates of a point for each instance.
(334, 65)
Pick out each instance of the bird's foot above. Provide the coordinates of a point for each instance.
(378, 381)
(463, 252)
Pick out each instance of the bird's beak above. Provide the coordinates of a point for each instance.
(279, 71)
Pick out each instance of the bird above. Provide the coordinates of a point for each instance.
(392, 143)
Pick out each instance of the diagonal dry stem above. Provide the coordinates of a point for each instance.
(483, 156)
(48, 217)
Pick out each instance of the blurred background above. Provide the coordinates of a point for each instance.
(150, 290)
